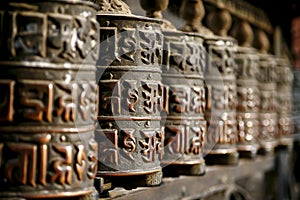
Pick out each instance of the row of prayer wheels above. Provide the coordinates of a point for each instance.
(94, 95)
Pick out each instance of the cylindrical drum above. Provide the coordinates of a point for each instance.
(284, 101)
(221, 101)
(131, 98)
(185, 125)
(268, 104)
(248, 101)
(296, 101)
(48, 98)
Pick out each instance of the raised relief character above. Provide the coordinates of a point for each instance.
(132, 94)
(61, 40)
(29, 35)
(62, 164)
(180, 98)
(110, 97)
(88, 101)
(66, 103)
(148, 145)
(150, 47)
(35, 100)
(151, 96)
(129, 143)
(176, 55)
(22, 169)
(109, 148)
(127, 45)
(92, 159)
(7, 100)
(108, 45)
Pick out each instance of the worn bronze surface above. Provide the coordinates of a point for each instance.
(296, 101)
(221, 88)
(48, 98)
(268, 106)
(131, 99)
(182, 74)
(221, 101)
(284, 101)
(185, 125)
(248, 93)
(248, 101)
(266, 77)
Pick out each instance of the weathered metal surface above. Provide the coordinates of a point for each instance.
(221, 90)
(285, 102)
(131, 99)
(48, 98)
(221, 101)
(182, 73)
(248, 106)
(268, 106)
(185, 125)
(296, 101)
(248, 93)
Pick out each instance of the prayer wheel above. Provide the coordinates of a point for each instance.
(48, 98)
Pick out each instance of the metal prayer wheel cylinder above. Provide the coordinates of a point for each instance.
(268, 104)
(131, 99)
(185, 125)
(248, 101)
(296, 100)
(220, 113)
(48, 99)
(284, 101)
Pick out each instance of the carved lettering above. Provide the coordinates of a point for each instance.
(198, 138)
(29, 164)
(178, 138)
(129, 143)
(148, 145)
(23, 168)
(160, 135)
(180, 98)
(63, 165)
(67, 102)
(29, 35)
(194, 59)
(223, 59)
(80, 161)
(60, 42)
(150, 46)
(110, 97)
(93, 159)
(176, 56)
(198, 103)
(88, 101)
(151, 96)
(86, 36)
(127, 45)
(108, 46)
(247, 99)
(132, 95)
(36, 100)
(220, 97)
(6, 100)
(109, 150)
(163, 98)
